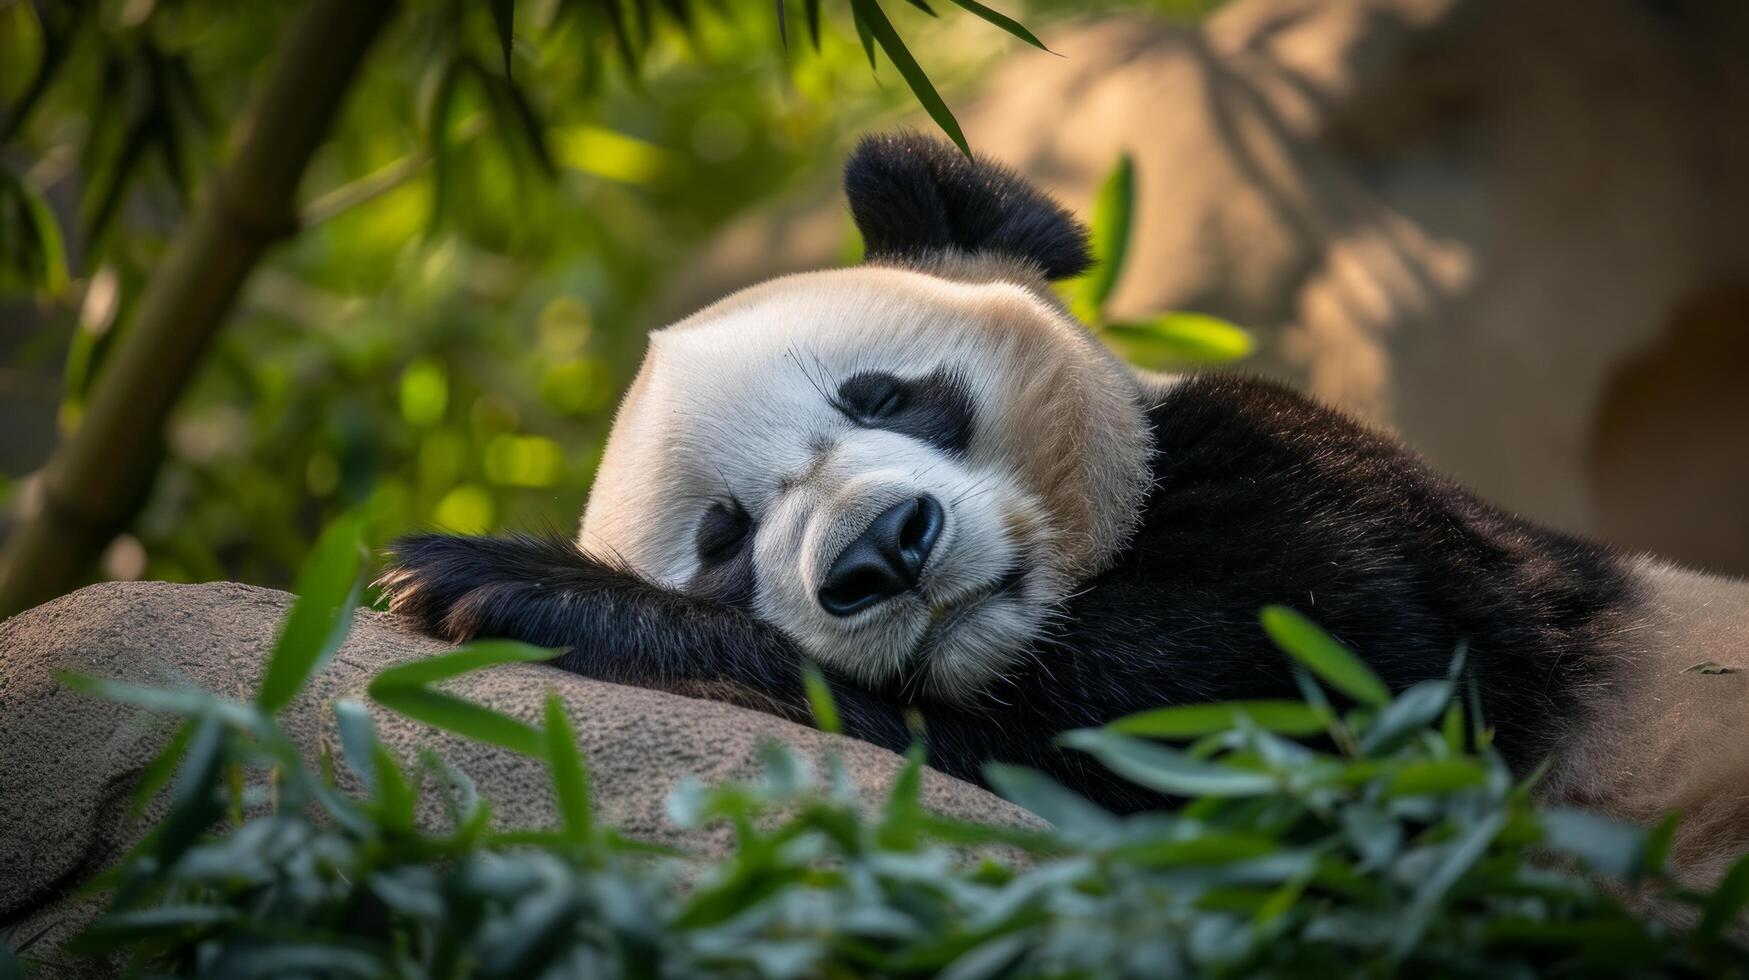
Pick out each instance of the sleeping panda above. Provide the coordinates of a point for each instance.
(924, 475)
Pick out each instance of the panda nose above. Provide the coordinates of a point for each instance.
(886, 560)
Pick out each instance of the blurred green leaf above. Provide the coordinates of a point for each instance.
(1044, 796)
(1113, 212)
(327, 595)
(1659, 840)
(32, 253)
(1458, 858)
(504, 21)
(1728, 900)
(358, 740)
(1193, 720)
(477, 655)
(1179, 338)
(811, 8)
(157, 773)
(1436, 776)
(820, 700)
(1408, 715)
(462, 717)
(1603, 844)
(405, 690)
(1162, 769)
(570, 777)
(1301, 639)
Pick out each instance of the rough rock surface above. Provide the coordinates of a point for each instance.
(68, 762)
(1510, 229)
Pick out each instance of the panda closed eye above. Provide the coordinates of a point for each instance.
(725, 570)
(722, 532)
(936, 408)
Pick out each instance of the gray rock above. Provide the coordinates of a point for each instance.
(69, 762)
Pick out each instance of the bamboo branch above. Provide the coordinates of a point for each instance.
(96, 481)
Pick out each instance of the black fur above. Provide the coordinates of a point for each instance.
(936, 408)
(1260, 496)
(913, 196)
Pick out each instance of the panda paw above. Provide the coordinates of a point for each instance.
(430, 580)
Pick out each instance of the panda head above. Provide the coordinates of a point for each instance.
(904, 466)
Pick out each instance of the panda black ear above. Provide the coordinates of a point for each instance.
(912, 195)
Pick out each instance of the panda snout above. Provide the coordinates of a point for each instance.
(886, 560)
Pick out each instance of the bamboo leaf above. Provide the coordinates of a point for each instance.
(811, 8)
(477, 655)
(1166, 770)
(1604, 845)
(157, 773)
(1192, 720)
(1179, 338)
(570, 777)
(32, 246)
(1408, 715)
(462, 717)
(358, 740)
(1003, 21)
(1301, 639)
(869, 12)
(522, 114)
(1728, 899)
(820, 700)
(1113, 211)
(1459, 858)
(327, 590)
(395, 798)
(1433, 777)
(622, 37)
(437, 122)
(504, 20)
(866, 38)
(1060, 806)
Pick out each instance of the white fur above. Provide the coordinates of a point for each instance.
(734, 401)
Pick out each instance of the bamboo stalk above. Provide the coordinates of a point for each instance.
(98, 478)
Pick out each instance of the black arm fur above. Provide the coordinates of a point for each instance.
(1260, 497)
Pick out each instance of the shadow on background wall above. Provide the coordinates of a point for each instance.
(1508, 230)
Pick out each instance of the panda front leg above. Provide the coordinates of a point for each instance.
(612, 625)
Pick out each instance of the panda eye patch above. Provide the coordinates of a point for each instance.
(722, 531)
(871, 396)
(936, 408)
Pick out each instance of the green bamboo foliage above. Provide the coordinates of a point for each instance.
(155, 121)
(1365, 841)
(1168, 340)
